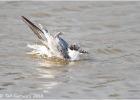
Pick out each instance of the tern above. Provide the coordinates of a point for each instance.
(53, 45)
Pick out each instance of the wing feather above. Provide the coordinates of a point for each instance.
(36, 30)
(33, 27)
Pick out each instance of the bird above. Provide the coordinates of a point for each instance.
(53, 45)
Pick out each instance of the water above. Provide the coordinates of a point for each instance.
(110, 31)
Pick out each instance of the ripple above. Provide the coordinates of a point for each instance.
(98, 86)
(87, 90)
(10, 73)
(71, 9)
(66, 96)
(19, 78)
(109, 51)
(8, 83)
(72, 92)
(40, 14)
(2, 88)
(114, 95)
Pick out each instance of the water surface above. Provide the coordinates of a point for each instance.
(110, 31)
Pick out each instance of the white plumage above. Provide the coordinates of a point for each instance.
(53, 45)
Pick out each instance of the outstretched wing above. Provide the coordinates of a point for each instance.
(33, 27)
(63, 43)
(63, 47)
(57, 45)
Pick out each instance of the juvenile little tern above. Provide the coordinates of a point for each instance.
(53, 45)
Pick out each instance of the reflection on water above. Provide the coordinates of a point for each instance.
(50, 69)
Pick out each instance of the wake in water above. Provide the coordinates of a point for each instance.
(53, 46)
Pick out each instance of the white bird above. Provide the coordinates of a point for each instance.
(53, 45)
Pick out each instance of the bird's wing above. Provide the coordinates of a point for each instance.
(58, 43)
(63, 47)
(46, 33)
(63, 43)
(35, 29)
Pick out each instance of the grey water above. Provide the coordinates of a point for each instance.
(109, 31)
